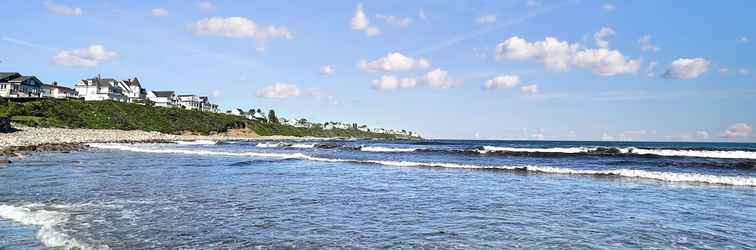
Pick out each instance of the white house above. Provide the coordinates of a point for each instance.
(191, 102)
(206, 106)
(56, 91)
(14, 85)
(132, 89)
(101, 89)
(166, 99)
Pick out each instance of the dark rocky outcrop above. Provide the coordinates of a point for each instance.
(5, 125)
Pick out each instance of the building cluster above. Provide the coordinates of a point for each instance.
(15, 85)
(303, 123)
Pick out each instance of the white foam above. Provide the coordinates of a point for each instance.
(197, 142)
(631, 173)
(49, 223)
(387, 150)
(124, 147)
(302, 145)
(270, 145)
(734, 154)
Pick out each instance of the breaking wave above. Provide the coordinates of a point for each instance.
(386, 149)
(49, 223)
(197, 142)
(630, 173)
(724, 154)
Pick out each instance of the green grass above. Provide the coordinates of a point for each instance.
(126, 116)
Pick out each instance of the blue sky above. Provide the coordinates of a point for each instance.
(613, 70)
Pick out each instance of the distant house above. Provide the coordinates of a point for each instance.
(191, 102)
(206, 106)
(56, 91)
(14, 85)
(101, 89)
(132, 89)
(166, 99)
(237, 112)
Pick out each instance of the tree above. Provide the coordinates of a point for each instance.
(272, 117)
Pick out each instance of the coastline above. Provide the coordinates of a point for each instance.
(26, 140)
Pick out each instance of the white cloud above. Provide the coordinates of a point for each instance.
(280, 91)
(486, 19)
(744, 72)
(600, 37)
(360, 21)
(605, 62)
(390, 82)
(533, 3)
(216, 93)
(206, 6)
(502, 81)
(86, 57)
(687, 68)
(401, 22)
(650, 69)
(159, 12)
(538, 136)
(608, 7)
(421, 14)
(439, 78)
(327, 70)
(646, 45)
(393, 62)
(559, 56)
(724, 70)
(531, 88)
(239, 27)
(62, 9)
(738, 130)
(743, 40)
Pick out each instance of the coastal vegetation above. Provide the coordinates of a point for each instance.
(74, 113)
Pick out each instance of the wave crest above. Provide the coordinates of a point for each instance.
(630, 173)
(49, 223)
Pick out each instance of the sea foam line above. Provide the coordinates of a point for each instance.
(734, 154)
(49, 223)
(386, 149)
(631, 173)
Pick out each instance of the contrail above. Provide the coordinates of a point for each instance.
(27, 44)
(484, 31)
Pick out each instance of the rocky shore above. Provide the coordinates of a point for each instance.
(25, 140)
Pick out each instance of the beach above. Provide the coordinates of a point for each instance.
(30, 139)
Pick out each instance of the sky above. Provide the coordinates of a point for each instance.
(506, 69)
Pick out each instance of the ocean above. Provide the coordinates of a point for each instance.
(368, 194)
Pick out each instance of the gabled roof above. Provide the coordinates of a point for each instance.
(163, 93)
(21, 79)
(133, 82)
(8, 75)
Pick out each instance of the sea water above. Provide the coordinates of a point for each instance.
(365, 194)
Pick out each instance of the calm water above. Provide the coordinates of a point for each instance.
(381, 194)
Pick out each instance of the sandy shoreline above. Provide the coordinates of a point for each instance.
(61, 139)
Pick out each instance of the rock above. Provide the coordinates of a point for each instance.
(5, 125)
(5, 162)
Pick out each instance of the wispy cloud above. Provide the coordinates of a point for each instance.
(489, 29)
(27, 44)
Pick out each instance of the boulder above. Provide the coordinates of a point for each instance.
(5, 125)
(4, 162)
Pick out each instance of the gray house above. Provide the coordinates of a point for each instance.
(15, 85)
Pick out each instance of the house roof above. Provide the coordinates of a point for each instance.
(8, 75)
(58, 87)
(21, 79)
(133, 82)
(163, 93)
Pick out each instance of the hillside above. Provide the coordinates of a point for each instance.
(126, 116)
